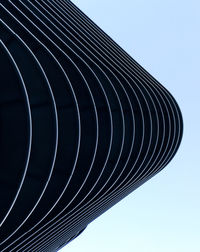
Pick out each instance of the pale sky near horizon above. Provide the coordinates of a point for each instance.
(163, 215)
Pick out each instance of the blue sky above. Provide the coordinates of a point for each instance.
(163, 215)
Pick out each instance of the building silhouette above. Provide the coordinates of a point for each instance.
(82, 124)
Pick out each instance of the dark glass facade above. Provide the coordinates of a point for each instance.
(82, 124)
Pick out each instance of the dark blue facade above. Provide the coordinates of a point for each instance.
(82, 124)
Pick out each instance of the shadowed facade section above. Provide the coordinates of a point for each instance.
(82, 124)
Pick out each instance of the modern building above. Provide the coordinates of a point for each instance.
(82, 124)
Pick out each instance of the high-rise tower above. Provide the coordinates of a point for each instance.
(81, 124)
